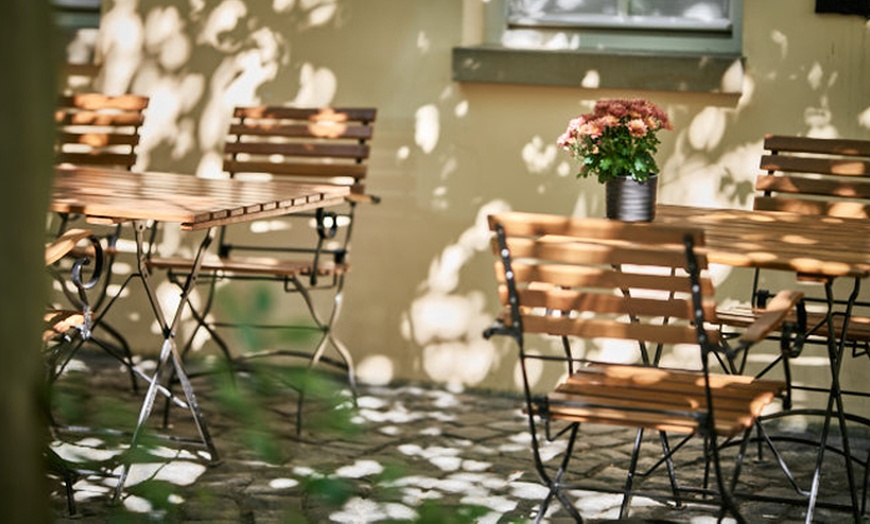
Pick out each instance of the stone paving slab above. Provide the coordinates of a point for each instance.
(410, 454)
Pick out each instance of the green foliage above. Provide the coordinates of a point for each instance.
(251, 396)
(617, 153)
(331, 490)
(431, 512)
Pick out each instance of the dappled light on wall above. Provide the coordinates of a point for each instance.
(317, 86)
(198, 62)
(427, 127)
(223, 19)
(864, 118)
(691, 175)
(591, 80)
(164, 38)
(707, 129)
(538, 155)
(377, 370)
(733, 78)
(121, 39)
(447, 324)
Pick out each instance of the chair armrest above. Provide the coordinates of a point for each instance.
(772, 316)
(363, 198)
(63, 244)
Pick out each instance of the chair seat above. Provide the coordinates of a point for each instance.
(267, 266)
(59, 321)
(859, 326)
(661, 399)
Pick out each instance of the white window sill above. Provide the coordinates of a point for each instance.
(709, 73)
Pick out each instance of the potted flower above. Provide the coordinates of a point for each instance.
(616, 143)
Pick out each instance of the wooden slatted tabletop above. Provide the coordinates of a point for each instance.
(111, 195)
(805, 244)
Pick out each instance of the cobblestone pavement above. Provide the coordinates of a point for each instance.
(405, 453)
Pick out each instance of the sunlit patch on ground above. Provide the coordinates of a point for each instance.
(412, 453)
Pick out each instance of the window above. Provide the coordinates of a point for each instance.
(76, 14)
(691, 26)
(78, 22)
(686, 45)
(676, 15)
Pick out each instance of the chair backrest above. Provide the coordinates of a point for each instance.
(94, 129)
(321, 145)
(815, 176)
(599, 278)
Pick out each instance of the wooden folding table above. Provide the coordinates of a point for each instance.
(814, 247)
(115, 196)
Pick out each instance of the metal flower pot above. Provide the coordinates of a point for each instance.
(630, 200)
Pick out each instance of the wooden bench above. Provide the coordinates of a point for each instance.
(596, 280)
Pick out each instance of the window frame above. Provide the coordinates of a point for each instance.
(621, 58)
(76, 14)
(622, 21)
(614, 37)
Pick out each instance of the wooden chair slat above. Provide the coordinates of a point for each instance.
(314, 130)
(579, 252)
(251, 265)
(844, 209)
(641, 391)
(824, 166)
(97, 139)
(661, 421)
(601, 328)
(570, 301)
(852, 188)
(95, 101)
(680, 379)
(835, 146)
(97, 119)
(322, 150)
(97, 159)
(531, 224)
(334, 114)
(664, 396)
(585, 276)
(59, 322)
(64, 244)
(314, 171)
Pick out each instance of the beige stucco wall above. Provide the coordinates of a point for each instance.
(445, 154)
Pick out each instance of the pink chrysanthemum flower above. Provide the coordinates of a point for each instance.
(618, 138)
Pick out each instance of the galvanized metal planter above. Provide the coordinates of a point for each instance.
(630, 200)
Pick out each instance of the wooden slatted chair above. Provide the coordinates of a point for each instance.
(309, 253)
(62, 326)
(66, 323)
(813, 176)
(826, 178)
(98, 130)
(590, 280)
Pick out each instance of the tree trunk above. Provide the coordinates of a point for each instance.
(27, 90)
